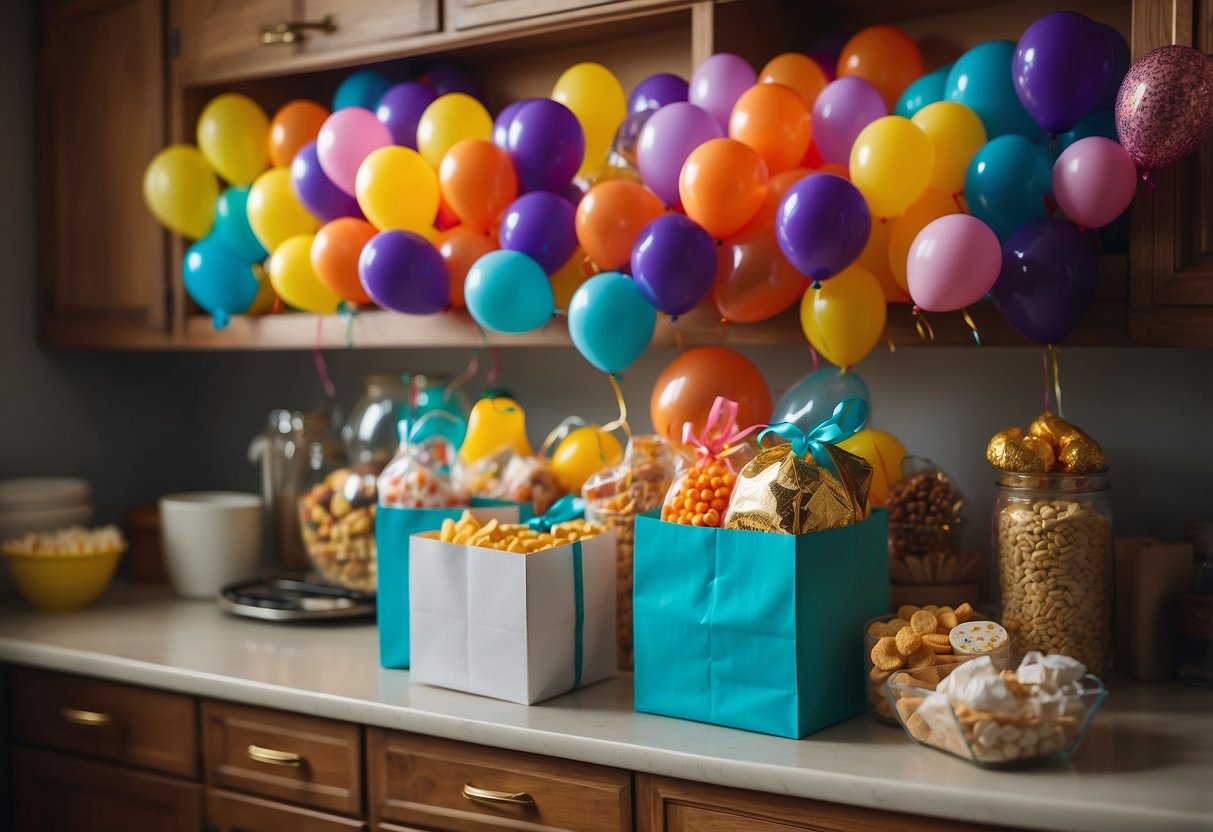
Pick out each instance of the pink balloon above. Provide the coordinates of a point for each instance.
(346, 138)
(1094, 181)
(842, 109)
(1164, 108)
(953, 263)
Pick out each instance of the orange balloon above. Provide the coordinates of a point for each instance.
(690, 383)
(800, 72)
(335, 253)
(460, 248)
(774, 120)
(477, 182)
(875, 258)
(884, 56)
(610, 217)
(295, 124)
(776, 188)
(722, 185)
(568, 278)
(930, 206)
(754, 281)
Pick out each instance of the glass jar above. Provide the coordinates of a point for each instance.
(370, 433)
(1053, 537)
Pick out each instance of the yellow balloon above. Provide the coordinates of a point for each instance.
(584, 453)
(233, 135)
(568, 278)
(875, 258)
(274, 212)
(845, 318)
(495, 424)
(397, 189)
(295, 281)
(930, 206)
(263, 304)
(596, 97)
(884, 453)
(180, 190)
(957, 134)
(891, 164)
(449, 119)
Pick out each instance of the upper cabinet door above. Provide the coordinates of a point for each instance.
(358, 23)
(465, 14)
(223, 38)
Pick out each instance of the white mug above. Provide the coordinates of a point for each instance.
(211, 539)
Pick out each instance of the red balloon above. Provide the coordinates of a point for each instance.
(754, 281)
(690, 383)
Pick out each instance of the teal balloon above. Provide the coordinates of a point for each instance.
(981, 80)
(610, 322)
(1006, 184)
(363, 89)
(926, 90)
(1098, 123)
(232, 226)
(218, 280)
(812, 400)
(507, 291)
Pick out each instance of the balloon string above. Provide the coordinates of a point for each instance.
(677, 334)
(622, 421)
(494, 366)
(1145, 177)
(888, 339)
(972, 326)
(559, 433)
(1053, 354)
(922, 326)
(321, 368)
(1044, 362)
(463, 378)
(815, 358)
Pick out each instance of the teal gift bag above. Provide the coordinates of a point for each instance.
(755, 630)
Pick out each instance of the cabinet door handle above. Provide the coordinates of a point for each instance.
(490, 796)
(89, 719)
(272, 757)
(290, 31)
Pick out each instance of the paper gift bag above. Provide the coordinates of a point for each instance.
(393, 528)
(756, 630)
(517, 627)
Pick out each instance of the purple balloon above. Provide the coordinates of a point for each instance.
(323, 200)
(666, 141)
(546, 144)
(400, 109)
(719, 82)
(402, 271)
(1047, 280)
(542, 225)
(674, 263)
(842, 109)
(822, 225)
(501, 124)
(1061, 68)
(1121, 61)
(828, 63)
(446, 78)
(656, 91)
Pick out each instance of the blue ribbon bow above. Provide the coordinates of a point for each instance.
(563, 510)
(848, 419)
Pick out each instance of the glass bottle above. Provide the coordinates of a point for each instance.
(1053, 537)
(370, 433)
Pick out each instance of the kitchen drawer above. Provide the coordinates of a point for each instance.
(231, 812)
(367, 22)
(423, 781)
(147, 728)
(303, 759)
(466, 14)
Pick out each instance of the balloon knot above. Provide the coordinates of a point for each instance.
(816, 284)
(914, 310)
(673, 319)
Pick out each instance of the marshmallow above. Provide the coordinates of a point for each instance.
(978, 684)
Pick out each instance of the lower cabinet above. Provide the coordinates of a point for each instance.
(231, 812)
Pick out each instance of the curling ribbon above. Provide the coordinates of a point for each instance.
(964, 313)
(720, 435)
(321, 368)
(347, 313)
(1053, 353)
(848, 419)
(559, 433)
(922, 326)
(622, 421)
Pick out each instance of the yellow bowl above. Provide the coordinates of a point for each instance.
(57, 583)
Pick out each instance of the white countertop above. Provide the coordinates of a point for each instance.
(1147, 763)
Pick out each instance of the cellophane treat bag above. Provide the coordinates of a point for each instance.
(700, 495)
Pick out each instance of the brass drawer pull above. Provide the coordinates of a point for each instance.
(270, 756)
(89, 719)
(490, 796)
(290, 31)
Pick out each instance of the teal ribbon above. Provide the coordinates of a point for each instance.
(579, 613)
(563, 510)
(848, 419)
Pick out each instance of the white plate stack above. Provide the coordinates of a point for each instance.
(42, 504)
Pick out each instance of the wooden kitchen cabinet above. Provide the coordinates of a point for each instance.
(231, 812)
(467, 14)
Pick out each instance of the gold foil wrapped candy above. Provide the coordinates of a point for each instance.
(1051, 445)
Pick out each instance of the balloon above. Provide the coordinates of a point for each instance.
(1099, 123)
(884, 56)
(981, 80)
(460, 248)
(477, 182)
(610, 217)
(582, 454)
(1120, 66)
(1047, 281)
(884, 453)
(610, 322)
(656, 91)
(400, 110)
(666, 141)
(295, 124)
(547, 145)
(296, 282)
(263, 303)
(930, 206)
(180, 190)
(627, 137)
(384, 178)
(956, 134)
(362, 89)
(953, 263)
(274, 212)
(800, 72)
(595, 96)
(501, 124)
(722, 185)
(1164, 109)
(674, 263)
(569, 278)
(1094, 181)
(1006, 184)
(448, 120)
(541, 225)
(845, 318)
(494, 424)
(1062, 65)
(218, 280)
(346, 138)
(754, 281)
(774, 121)
(446, 78)
(812, 400)
(843, 109)
(719, 82)
(233, 134)
(402, 271)
(926, 90)
(689, 385)
(232, 228)
(335, 253)
(822, 225)
(891, 164)
(316, 192)
(875, 258)
(507, 291)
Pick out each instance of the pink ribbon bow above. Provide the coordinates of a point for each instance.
(720, 434)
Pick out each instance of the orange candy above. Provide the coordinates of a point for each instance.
(703, 496)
